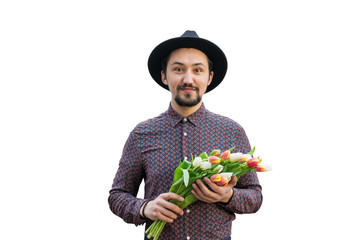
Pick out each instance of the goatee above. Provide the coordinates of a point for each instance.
(187, 101)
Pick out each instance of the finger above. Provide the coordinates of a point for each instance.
(170, 195)
(203, 191)
(199, 195)
(169, 213)
(163, 210)
(233, 181)
(171, 207)
(213, 186)
(155, 211)
(197, 192)
(166, 218)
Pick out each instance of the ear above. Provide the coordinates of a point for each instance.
(163, 78)
(211, 77)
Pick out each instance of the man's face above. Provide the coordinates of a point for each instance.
(187, 75)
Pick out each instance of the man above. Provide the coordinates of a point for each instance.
(188, 66)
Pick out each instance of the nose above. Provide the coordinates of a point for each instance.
(188, 77)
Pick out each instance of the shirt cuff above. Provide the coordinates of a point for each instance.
(231, 205)
(229, 199)
(138, 220)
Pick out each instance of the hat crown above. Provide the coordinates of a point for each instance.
(190, 33)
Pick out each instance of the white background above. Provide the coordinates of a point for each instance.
(74, 83)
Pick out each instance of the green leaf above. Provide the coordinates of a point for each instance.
(213, 152)
(176, 184)
(186, 176)
(177, 174)
(189, 199)
(252, 151)
(204, 155)
(185, 164)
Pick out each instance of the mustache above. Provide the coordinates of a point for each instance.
(185, 85)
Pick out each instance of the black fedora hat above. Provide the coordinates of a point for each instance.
(188, 40)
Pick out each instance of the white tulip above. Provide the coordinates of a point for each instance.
(205, 165)
(234, 157)
(197, 162)
(267, 166)
(226, 175)
(219, 168)
(245, 157)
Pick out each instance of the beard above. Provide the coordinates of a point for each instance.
(187, 100)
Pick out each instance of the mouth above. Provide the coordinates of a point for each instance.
(188, 89)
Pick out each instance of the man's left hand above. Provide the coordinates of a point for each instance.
(215, 193)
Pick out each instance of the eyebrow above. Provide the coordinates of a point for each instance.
(179, 63)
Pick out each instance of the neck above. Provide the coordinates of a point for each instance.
(185, 111)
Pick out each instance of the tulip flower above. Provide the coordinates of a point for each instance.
(215, 178)
(205, 165)
(214, 160)
(218, 168)
(234, 157)
(245, 157)
(223, 182)
(197, 162)
(226, 175)
(263, 168)
(253, 162)
(215, 153)
(225, 155)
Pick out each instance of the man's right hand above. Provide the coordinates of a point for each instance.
(161, 209)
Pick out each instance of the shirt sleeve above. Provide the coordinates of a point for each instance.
(247, 197)
(122, 199)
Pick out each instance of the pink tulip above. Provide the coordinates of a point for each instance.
(215, 178)
(253, 162)
(225, 155)
(214, 160)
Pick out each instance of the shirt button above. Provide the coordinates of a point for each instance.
(185, 134)
(187, 210)
(185, 119)
(187, 237)
(185, 158)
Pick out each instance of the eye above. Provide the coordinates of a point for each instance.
(198, 70)
(177, 69)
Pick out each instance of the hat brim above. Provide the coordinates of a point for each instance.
(213, 52)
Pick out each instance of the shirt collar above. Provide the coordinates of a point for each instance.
(196, 117)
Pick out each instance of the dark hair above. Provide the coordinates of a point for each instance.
(165, 61)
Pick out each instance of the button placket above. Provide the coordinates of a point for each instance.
(185, 136)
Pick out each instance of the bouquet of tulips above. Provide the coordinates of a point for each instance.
(218, 167)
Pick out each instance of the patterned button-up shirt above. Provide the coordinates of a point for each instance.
(152, 152)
